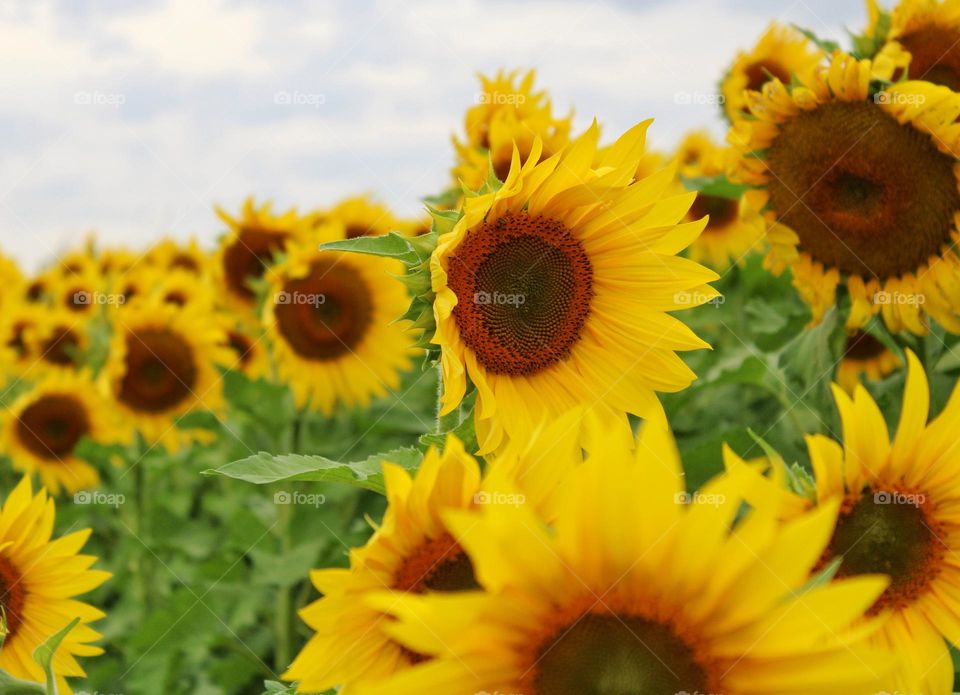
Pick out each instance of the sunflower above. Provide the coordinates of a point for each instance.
(248, 351)
(413, 552)
(115, 262)
(861, 190)
(39, 580)
(161, 366)
(362, 216)
(633, 590)
(80, 291)
(735, 225)
(506, 114)
(11, 281)
(552, 291)
(169, 255)
(43, 426)
(15, 322)
(178, 287)
(923, 41)
(864, 355)
(781, 53)
(331, 318)
(254, 240)
(58, 339)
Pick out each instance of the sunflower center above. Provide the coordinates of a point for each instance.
(51, 426)
(241, 345)
(863, 346)
(610, 654)
(934, 55)
(523, 285)
(722, 211)
(865, 194)
(357, 230)
(248, 257)
(61, 347)
(889, 532)
(12, 596)
(176, 297)
(326, 314)
(186, 262)
(758, 74)
(160, 370)
(439, 564)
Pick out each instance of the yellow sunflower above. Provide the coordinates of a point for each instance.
(161, 366)
(254, 240)
(861, 189)
(506, 114)
(413, 552)
(178, 287)
(248, 349)
(864, 356)
(39, 580)
(638, 587)
(11, 282)
(781, 52)
(332, 321)
(898, 516)
(57, 339)
(114, 262)
(43, 426)
(552, 291)
(170, 255)
(362, 216)
(923, 41)
(80, 291)
(735, 226)
(16, 319)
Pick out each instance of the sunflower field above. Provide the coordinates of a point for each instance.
(604, 420)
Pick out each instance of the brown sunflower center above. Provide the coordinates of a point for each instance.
(612, 654)
(439, 564)
(61, 347)
(248, 257)
(16, 341)
(13, 596)
(758, 74)
(865, 194)
(863, 346)
(51, 426)
(185, 261)
(523, 285)
(160, 370)
(889, 532)
(357, 230)
(35, 291)
(241, 345)
(176, 297)
(326, 314)
(934, 55)
(722, 211)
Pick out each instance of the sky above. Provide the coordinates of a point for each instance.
(132, 118)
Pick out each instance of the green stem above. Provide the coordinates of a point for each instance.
(141, 528)
(283, 626)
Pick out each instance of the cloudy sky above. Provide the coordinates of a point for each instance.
(131, 118)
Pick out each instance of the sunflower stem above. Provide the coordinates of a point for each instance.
(283, 626)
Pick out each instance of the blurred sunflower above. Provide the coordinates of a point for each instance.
(735, 225)
(506, 114)
(248, 351)
(161, 366)
(633, 591)
(115, 262)
(781, 53)
(43, 426)
(332, 322)
(864, 356)
(861, 190)
(362, 216)
(39, 580)
(552, 291)
(11, 282)
(15, 356)
(923, 41)
(58, 339)
(179, 287)
(78, 291)
(170, 255)
(254, 240)
(413, 552)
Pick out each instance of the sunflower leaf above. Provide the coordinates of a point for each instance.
(43, 655)
(264, 468)
(392, 245)
(824, 45)
(719, 186)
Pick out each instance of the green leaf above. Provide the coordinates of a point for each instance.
(824, 45)
(718, 186)
(392, 245)
(10, 685)
(43, 655)
(266, 468)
